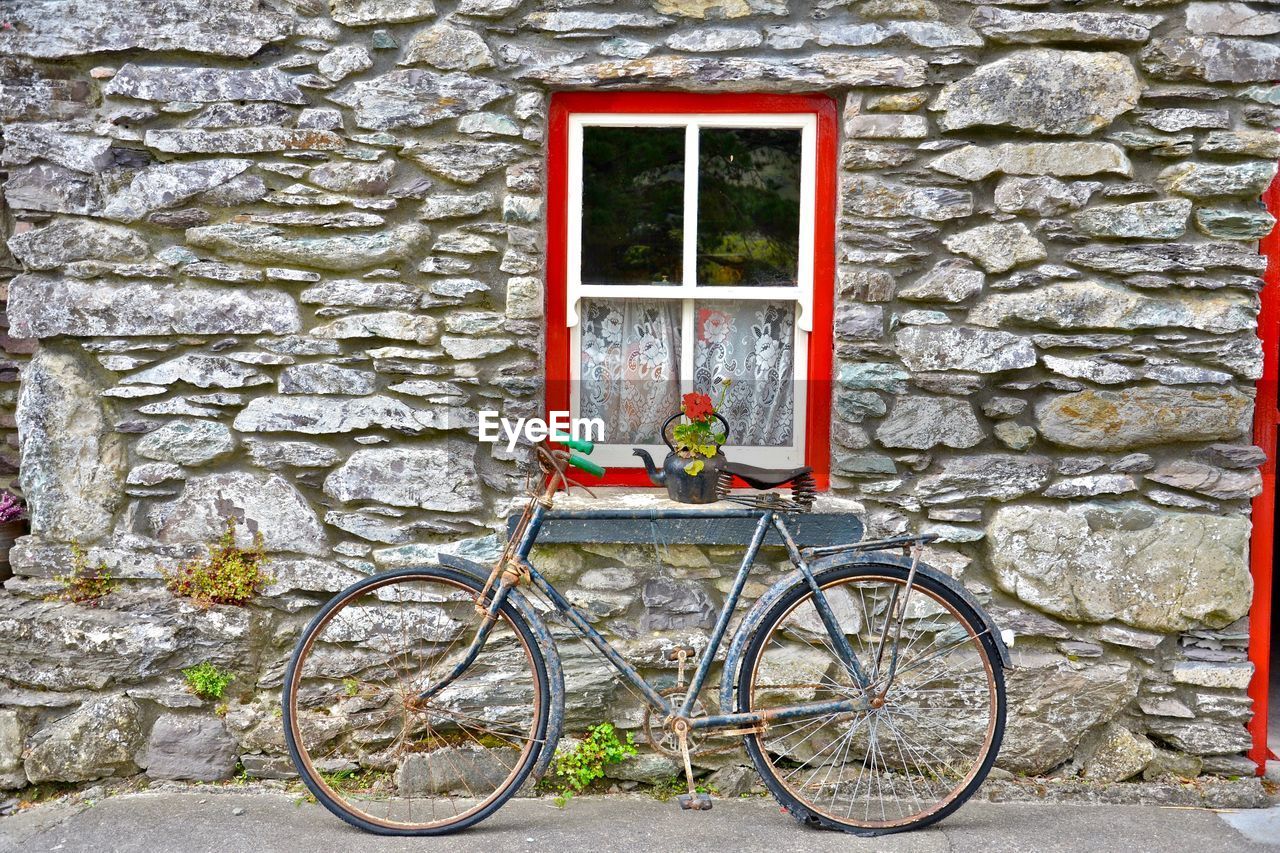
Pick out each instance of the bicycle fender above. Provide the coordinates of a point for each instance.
(738, 647)
(546, 644)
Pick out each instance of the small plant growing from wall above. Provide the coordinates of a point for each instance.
(85, 584)
(207, 681)
(229, 574)
(578, 767)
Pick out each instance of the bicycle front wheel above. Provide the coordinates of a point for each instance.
(920, 748)
(370, 748)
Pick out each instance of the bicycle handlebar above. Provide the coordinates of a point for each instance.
(585, 464)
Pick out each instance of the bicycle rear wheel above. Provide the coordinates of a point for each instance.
(903, 762)
(370, 749)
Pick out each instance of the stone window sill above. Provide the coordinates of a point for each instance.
(832, 521)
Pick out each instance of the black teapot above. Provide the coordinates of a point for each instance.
(700, 488)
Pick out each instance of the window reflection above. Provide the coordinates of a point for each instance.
(632, 205)
(748, 207)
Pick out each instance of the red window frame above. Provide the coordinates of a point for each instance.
(1266, 430)
(817, 453)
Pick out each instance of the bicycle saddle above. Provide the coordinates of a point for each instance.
(764, 478)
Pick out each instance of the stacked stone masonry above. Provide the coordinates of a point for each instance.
(276, 254)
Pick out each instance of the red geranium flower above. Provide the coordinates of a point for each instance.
(697, 407)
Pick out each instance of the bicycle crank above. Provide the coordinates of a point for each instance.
(694, 800)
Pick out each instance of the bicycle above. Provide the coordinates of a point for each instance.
(867, 687)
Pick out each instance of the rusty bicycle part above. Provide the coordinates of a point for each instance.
(661, 733)
(366, 743)
(553, 465)
(929, 732)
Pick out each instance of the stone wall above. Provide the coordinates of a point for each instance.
(278, 252)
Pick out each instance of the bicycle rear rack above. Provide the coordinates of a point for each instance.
(870, 545)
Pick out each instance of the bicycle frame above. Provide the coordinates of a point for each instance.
(682, 708)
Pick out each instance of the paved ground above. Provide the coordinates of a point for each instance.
(196, 823)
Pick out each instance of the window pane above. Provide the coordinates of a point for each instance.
(630, 366)
(748, 207)
(632, 205)
(751, 344)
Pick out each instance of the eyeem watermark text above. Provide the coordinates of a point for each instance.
(494, 428)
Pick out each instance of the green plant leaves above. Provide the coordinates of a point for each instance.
(577, 768)
(207, 681)
(697, 439)
(85, 585)
(228, 575)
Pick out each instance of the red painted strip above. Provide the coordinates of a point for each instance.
(557, 234)
(687, 102)
(818, 407)
(821, 345)
(1262, 541)
(616, 476)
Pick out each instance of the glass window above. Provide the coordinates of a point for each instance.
(684, 278)
(752, 345)
(632, 205)
(748, 206)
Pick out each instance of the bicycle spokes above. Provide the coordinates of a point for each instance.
(390, 725)
(928, 717)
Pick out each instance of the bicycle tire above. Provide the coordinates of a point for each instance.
(300, 754)
(807, 812)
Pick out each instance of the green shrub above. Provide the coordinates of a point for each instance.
(228, 575)
(578, 767)
(207, 681)
(85, 585)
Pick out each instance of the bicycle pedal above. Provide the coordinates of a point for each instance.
(694, 802)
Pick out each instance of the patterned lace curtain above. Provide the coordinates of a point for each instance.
(751, 344)
(631, 368)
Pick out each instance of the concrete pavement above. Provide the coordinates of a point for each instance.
(222, 821)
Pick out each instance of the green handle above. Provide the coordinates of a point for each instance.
(582, 446)
(586, 465)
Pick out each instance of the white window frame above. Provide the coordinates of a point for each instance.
(619, 455)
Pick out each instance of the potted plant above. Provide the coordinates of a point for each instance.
(691, 471)
(13, 523)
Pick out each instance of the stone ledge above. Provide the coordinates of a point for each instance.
(833, 521)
